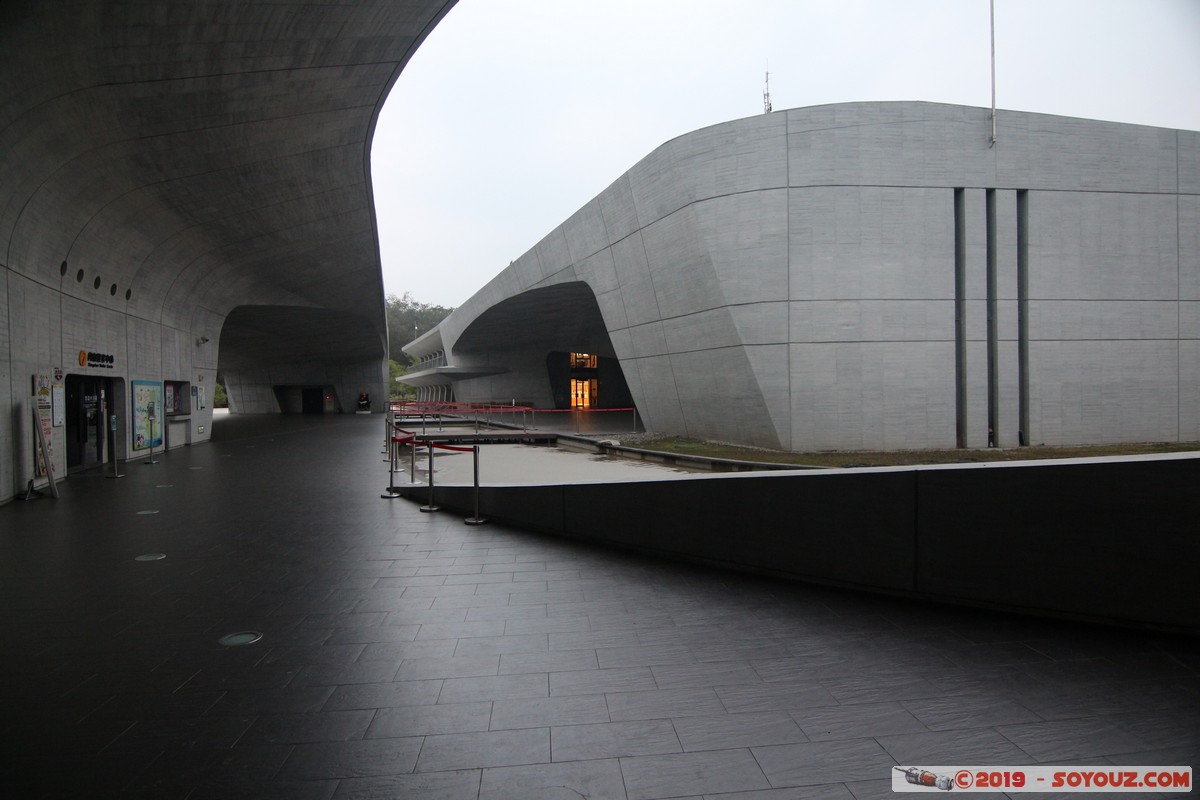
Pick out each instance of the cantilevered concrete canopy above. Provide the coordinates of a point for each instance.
(509, 343)
(561, 317)
(162, 164)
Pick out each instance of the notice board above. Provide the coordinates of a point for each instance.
(147, 415)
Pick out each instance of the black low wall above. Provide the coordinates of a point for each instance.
(1115, 541)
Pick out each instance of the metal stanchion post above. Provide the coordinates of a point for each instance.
(476, 520)
(112, 447)
(391, 492)
(151, 460)
(412, 467)
(430, 506)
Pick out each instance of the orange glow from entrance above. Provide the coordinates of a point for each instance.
(583, 392)
(584, 361)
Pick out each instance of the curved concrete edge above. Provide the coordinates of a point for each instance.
(674, 459)
(1110, 541)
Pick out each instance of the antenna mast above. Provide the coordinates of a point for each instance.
(767, 94)
(992, 27)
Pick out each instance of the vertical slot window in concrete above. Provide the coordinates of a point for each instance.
(993, 354)
(1023, 316)
(960, 318)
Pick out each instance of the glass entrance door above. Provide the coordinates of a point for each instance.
(85, 429)
(583, 392)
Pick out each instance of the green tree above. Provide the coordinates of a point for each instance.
(399, 391)
(407, 319)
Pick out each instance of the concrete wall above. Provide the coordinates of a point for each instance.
(527, 382)
(792, 280)
(1109, 540)
(163, 166)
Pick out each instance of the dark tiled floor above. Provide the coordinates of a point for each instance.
(408, 655)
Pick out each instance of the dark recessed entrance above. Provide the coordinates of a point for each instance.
(307, 400)
(312, 400)
(88, 399)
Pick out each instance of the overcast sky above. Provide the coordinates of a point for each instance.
(515, 113)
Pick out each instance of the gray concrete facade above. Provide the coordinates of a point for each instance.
(869, 275)
(186, 187)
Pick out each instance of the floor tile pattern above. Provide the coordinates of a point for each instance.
(407, 655)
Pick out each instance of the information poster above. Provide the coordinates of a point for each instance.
(43, 388)
(147, 415)
(58, 397)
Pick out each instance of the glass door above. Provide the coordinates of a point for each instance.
(583, 392)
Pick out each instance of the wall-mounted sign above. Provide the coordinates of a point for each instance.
(58, 404)
(88, 358)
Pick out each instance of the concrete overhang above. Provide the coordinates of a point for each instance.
(173, 161)
(438, 376)
(428, 343)
(563, 316)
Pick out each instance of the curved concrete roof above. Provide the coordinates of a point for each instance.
(173, 161)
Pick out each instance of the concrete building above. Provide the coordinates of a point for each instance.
(186, 187)
(861, 276)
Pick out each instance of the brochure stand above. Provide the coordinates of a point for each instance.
(150, 421)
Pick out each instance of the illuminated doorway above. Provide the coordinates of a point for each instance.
(583, 392)
(584, 383)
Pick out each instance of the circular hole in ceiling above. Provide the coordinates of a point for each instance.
(113, 290)
(79, 276)
(63, 269)
(96, 283)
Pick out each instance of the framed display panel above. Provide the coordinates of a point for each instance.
(176, 397)
(147, 415)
